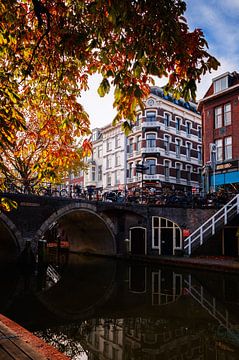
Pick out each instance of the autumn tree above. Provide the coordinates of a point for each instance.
(49, 48)
(48, 146)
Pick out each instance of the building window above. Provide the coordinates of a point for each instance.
(100, 152)
(150, 116)
(166, 120)
(188, 150)
(99, 172)
(188, 174)
(130, 173)
(228, 147)
(218, 117)
(131, 146)
(227, 115)
(93, 173)
(178, 124)
(117, 159)
(166, 143)
(219, 150)
(199, 154)
(150, 140)
(137, 122)
(108, 162)
(166, 169)
(177, 147)
(117, 141)
(138, 175)
(117, 177)
(188, 128)
(220, 84)
(108, 179)
(138, 143)
(108, 145)
(199, 133)
(178, 172)
(151, 164)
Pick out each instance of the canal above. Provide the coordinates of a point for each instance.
(96, 308)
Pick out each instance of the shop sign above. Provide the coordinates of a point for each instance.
(229, 165)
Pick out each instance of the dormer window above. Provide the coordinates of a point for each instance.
(220, 84)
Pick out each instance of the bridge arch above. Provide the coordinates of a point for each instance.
(85, 229)
(11, 243)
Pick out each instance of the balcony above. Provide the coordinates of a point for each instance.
(152, 177)
(150, 124)
(150, 150)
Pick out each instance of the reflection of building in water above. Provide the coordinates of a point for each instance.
(105, 339)
(147, 339)
(163, 285)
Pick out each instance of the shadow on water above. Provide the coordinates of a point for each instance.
(96, 308)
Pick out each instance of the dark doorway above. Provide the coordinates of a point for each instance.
(166, 241)
(138, 240)
(230, 241)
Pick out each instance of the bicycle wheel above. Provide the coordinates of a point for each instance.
(42, 192)
(55, 193)
(63, 193)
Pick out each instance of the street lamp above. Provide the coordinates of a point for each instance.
(213, 151)
(141, 168)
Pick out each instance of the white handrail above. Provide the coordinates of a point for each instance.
(221, 215)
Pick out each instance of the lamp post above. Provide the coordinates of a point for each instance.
(141, 168)
(213, 151)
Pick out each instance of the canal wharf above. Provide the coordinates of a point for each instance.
(207, 263)
(19, 344)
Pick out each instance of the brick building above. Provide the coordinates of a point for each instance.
(167, 140)
(220, 121)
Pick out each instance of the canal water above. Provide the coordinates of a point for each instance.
(96, 308)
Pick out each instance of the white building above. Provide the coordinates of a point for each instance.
(107, 164)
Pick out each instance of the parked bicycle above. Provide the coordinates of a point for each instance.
(48, 191)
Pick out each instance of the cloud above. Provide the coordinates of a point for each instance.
(219, 21)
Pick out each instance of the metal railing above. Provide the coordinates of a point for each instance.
(212, 225)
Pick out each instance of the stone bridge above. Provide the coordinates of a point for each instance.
(96, 227)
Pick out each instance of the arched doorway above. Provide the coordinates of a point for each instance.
(166, 236)
(137, 240)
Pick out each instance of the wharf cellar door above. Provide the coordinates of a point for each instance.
(137, 240)
(231, 241)
(166, 236)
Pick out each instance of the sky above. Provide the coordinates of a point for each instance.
(219, 21)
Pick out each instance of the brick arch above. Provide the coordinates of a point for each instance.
(85, 209)
(13, 249)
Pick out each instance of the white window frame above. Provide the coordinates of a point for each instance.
(188, 128)
(151, 133)
(178, 166)
(178, 119)
(178, 144)
(151, 112)
(218, 117)
(167, 149)
(167, 117)
(228, 148)
(219, 150)
(227, 114)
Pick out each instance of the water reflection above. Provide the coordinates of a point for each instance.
(97, 308)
